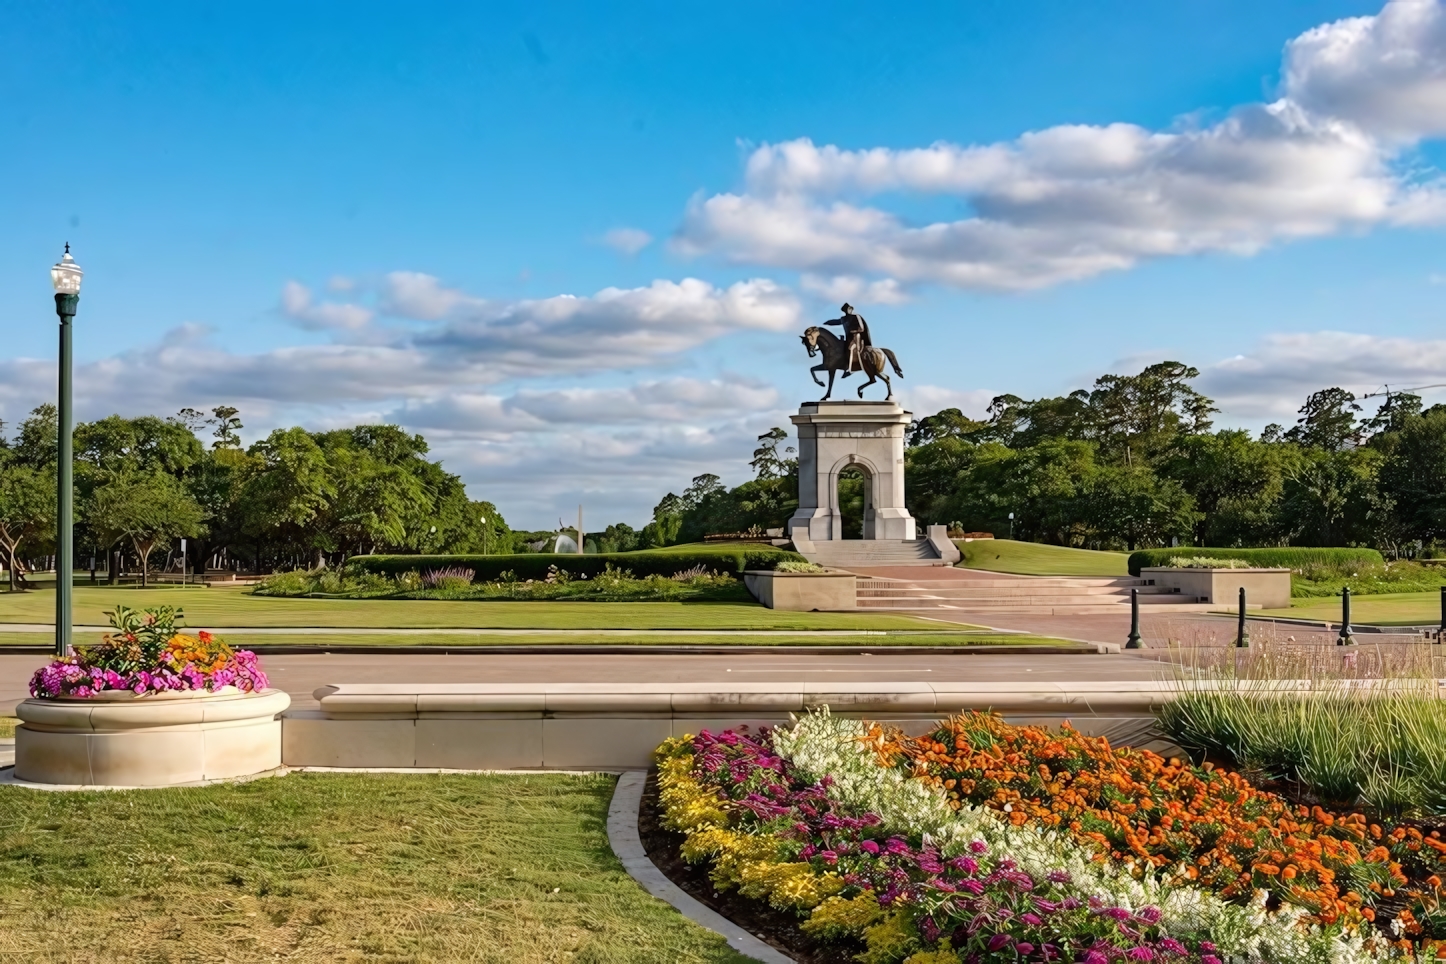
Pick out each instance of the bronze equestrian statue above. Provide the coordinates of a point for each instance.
(852, 353)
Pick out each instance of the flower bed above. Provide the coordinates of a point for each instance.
(147, 654)
(965, 845)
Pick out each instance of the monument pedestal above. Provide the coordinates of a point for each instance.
(867, 437)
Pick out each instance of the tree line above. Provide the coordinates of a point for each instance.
(292, 500)
(1134, 462)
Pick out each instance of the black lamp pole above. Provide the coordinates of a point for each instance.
(1242, 638)
(65, 277)
(1345, 638)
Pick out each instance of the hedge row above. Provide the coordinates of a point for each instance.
(534, 565)
(1285, 557)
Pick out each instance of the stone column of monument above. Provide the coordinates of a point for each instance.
(867, 436)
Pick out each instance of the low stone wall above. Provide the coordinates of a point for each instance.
(1264, 588)
(804, 591)
(160, 739)
(617, 726)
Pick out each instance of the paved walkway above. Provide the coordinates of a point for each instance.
(300, 674)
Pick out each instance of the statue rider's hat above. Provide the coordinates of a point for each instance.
(846, 308)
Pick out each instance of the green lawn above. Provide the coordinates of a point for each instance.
(1036, 559)
(1386, 609)
(336, 867)
(237, 607)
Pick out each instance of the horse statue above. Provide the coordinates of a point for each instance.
(836, 359)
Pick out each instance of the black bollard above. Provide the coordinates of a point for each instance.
(1134, 641)
(1440, 633)
(1242, 638)
(1345, 639)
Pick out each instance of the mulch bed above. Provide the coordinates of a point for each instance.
(776, 927)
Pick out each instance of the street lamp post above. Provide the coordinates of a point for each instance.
(65, 278)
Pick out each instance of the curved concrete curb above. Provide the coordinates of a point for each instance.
(623, 836)
(9, 779)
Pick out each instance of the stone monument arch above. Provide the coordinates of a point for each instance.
(866, 436)
(835, 436)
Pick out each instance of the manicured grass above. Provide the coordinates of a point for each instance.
(7, 727)
(1036, 559)
(335, 867)
(1387, 609)
(237, 607)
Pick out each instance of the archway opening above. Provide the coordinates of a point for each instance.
(853, 501)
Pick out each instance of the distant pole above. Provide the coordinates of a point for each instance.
(579, 530)
(1442, 631)
(1241, 637)
(184, 580)
(1344, 639)
(1134, 641)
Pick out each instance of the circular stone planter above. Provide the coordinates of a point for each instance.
(120, 739)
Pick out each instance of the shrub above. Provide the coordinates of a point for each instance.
(728, 558)
(1205, 562)
(1287, 557)
(450, 578)
(789, 566)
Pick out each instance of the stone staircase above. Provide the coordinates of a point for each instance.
(850, 553)
(1047, 595)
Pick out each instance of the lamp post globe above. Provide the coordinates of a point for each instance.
(65, 278)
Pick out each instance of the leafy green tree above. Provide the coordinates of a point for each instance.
(1236, 484)
(767, 463)
(148, 509)
(1327, 421)
(1413, 474)
(1331, 498)
(288, 490)
(27, 509)
(1139, 508)
(227, 427)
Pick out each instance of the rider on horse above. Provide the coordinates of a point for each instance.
(856, 333)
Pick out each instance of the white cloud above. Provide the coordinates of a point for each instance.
(628, 241)
(1385, 74)
(1273, 380)
(855, 290)
(928, 399)
(298, 305)
(615, 328)
(1070, 202)
(621, 445)
(411, 294)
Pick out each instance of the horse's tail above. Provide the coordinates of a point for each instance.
(894, 361)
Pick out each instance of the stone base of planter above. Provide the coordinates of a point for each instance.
(804, 591)
(162, 739)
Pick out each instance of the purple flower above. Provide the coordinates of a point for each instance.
(1140, 954)
(869, 846)
(999, 941)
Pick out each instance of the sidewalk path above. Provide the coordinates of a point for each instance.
(300, 674)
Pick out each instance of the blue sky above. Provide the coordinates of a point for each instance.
(322, 213)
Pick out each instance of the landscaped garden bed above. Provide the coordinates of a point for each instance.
(983, 841)
(695, 584)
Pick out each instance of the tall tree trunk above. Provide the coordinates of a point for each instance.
(144, 552)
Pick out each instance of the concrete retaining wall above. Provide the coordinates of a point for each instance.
(804, 591)
(1264, 588)
(611, 726)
